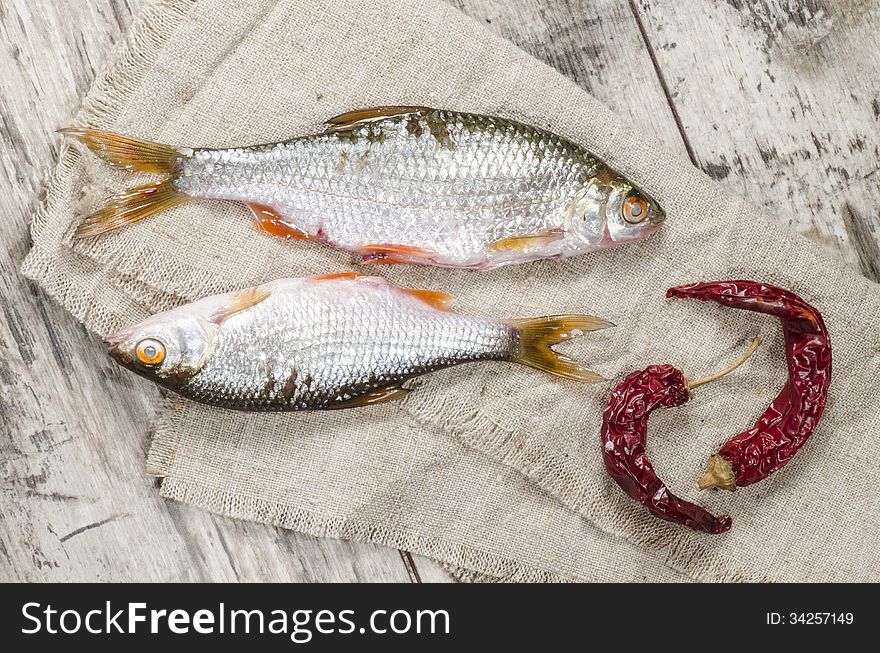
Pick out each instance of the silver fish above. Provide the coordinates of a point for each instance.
(400, 185)
(332, 341)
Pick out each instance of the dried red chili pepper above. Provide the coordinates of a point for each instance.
(780, 432)
(625, 434)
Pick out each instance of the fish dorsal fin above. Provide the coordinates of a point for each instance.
(351, 119)
(377, 396)
(240, 301)
(437, 299)
(528, 241)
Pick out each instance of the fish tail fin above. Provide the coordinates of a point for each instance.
(132, 154)
(538, 335)
(129, 152)
(129, 207)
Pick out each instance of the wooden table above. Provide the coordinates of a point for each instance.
(777, 99)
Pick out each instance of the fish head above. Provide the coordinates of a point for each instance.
(610, 210)
(168, 348)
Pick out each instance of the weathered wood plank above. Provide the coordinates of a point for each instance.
(594, 42)
(76, 502)
(431, 571)
(776, 98)
(780, 100)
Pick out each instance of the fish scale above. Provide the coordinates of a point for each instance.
(346, 338)
(399, 185)
(380, 184)
(329, 342)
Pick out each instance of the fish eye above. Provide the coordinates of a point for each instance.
(635, 209)
(150, 351)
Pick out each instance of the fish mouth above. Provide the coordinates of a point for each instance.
(118, 355)
(115, 338)
(659, 217)
(118, 338)
(112, 343)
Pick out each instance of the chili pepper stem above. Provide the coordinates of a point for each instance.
(719, 473)
(727, 370)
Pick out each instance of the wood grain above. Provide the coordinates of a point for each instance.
(594, 42)
(778, 99)
(76, 503)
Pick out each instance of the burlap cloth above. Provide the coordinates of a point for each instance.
(488, 467)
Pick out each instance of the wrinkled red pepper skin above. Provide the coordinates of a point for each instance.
(624, 437)
(790, 419)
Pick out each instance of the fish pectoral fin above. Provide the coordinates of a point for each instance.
(379, 253)
(240, 301)
(528, 241)
(437, 299)
(269, 221)
(351, 119)
(377, 396)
